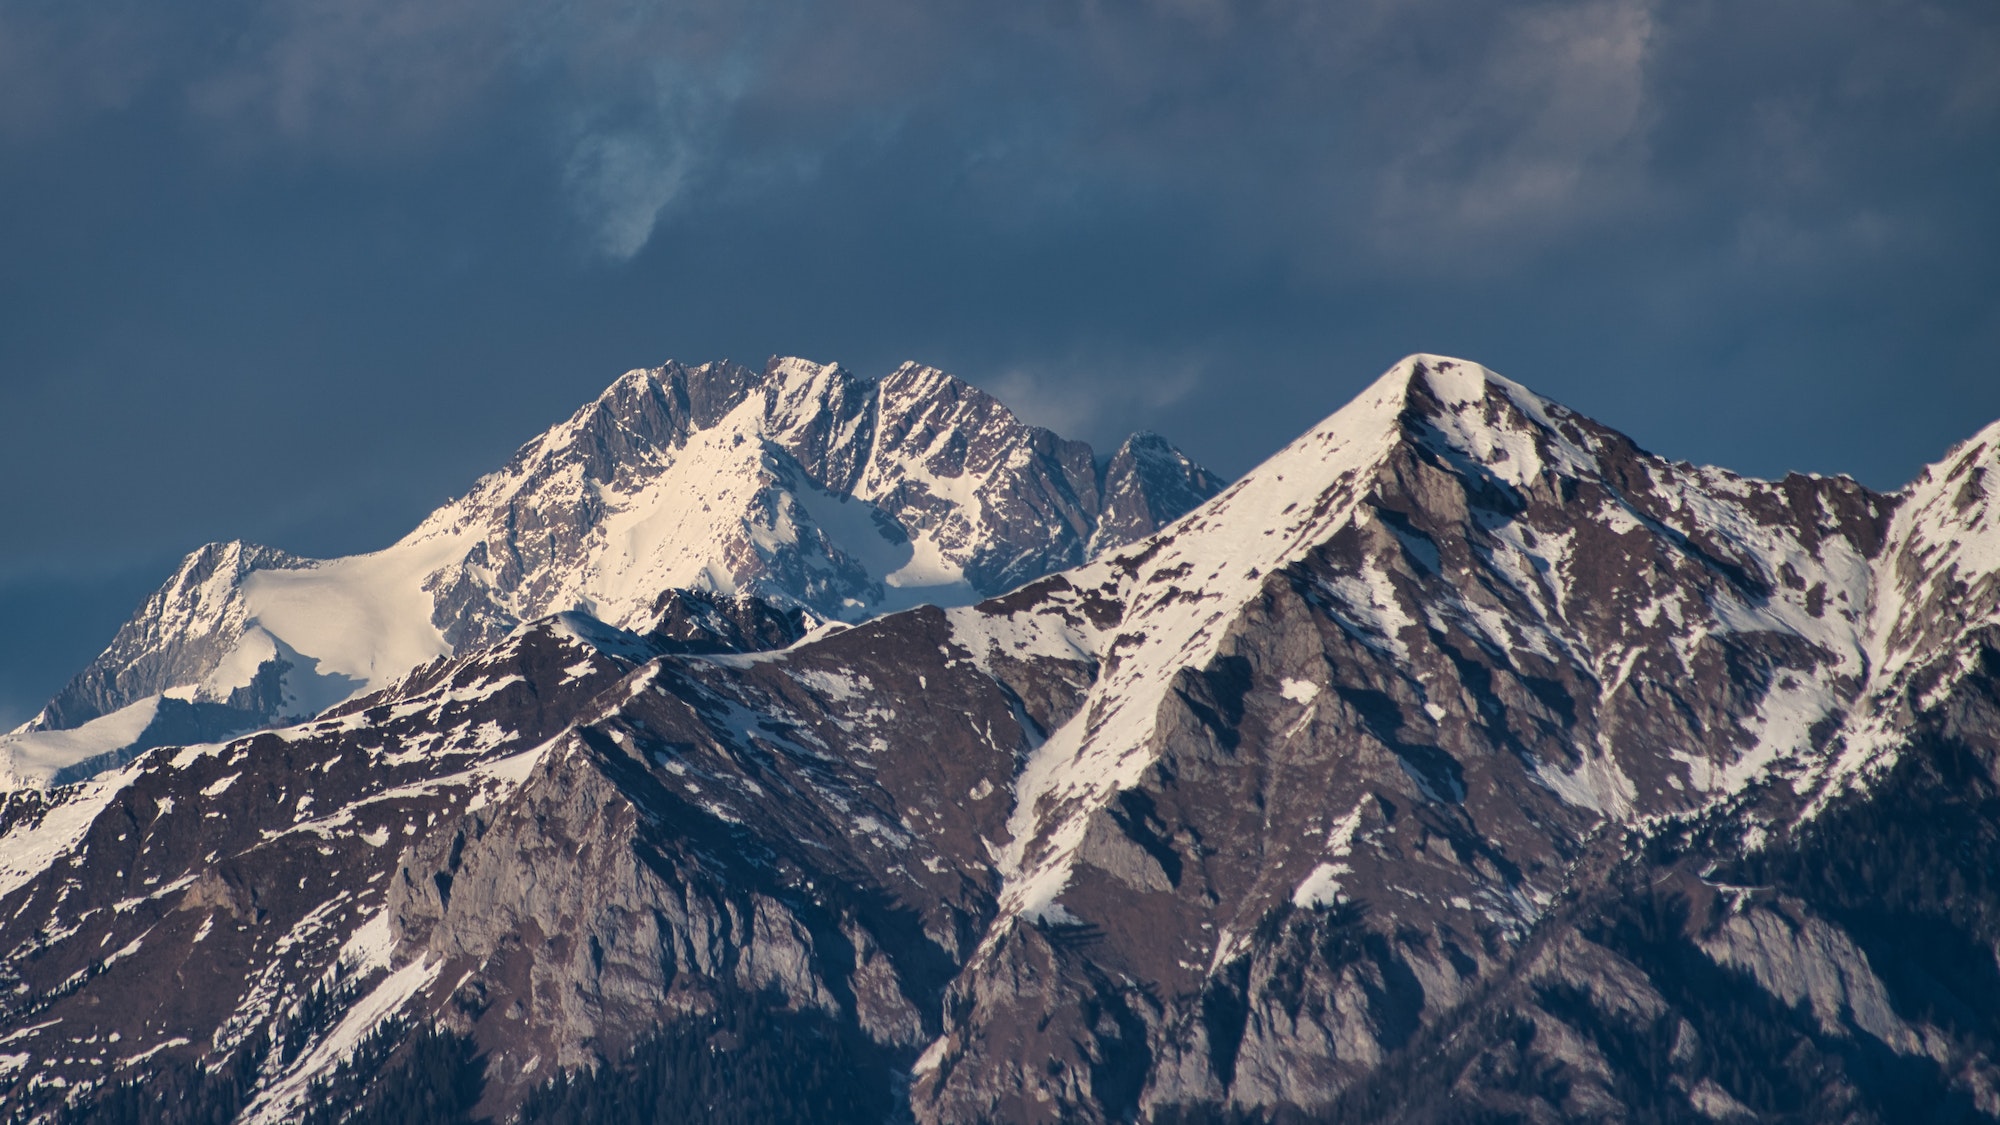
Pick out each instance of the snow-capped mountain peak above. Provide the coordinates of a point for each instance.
(1447, 501)
(803, 485)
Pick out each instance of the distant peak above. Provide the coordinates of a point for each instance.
(1146, 451)
(912, 378)
(232, 555)
(798, 390)
(1457, 400)
(1147, 440)
(1452, 382)
(1449, 406)
(794, 369)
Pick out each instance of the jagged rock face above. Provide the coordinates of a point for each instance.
(114, 709)
(699, 622)
(1749, 965)
(1463, 759)
(805, 487)
(816, 488)
(155, 647)
(1148, 485)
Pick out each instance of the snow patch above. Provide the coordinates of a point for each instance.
(28, 850)
(32, 759)
(1322, 887)
(282, 1100)
(1300, 692)
(217, 787)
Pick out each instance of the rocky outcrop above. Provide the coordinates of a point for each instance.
(1147, 485)
(180, 635)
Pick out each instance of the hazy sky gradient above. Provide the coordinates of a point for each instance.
(294, 271)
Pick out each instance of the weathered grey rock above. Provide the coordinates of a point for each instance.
(1800, 959)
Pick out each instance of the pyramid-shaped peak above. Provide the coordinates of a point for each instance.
(1469, 414)
(1429, 382)
(1445, 410)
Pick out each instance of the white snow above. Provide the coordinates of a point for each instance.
(833, 685)
(1322, 887)
(26, 852)
(926, 1062)
(1936, 579)
(364, 620)
(142, 1056)
(1300, 692)
(1597, 784)
(1050, 633)
(731, 509)
(1179, 589)
(1780, 727)
(31, 759)
(281, 1101)
(216, 787)
(371, 944)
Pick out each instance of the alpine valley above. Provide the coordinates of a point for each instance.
(793, 746)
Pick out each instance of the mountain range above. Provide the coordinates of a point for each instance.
(804, 487)
(796, 747)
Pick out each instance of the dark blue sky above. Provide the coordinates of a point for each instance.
(293, 271)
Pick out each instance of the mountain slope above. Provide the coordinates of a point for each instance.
(805, 486)
(1461, 762)
(1411, 666)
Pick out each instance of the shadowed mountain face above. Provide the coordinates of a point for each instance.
(805, 486)
(1462, 762)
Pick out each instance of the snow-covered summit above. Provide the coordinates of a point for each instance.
(812, 487)
(1445, 511)
(804, 485)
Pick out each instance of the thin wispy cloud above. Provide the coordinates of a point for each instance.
(629, 164)
(1101, 398)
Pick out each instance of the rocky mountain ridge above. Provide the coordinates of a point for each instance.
(805, 486)
(1463, 761)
